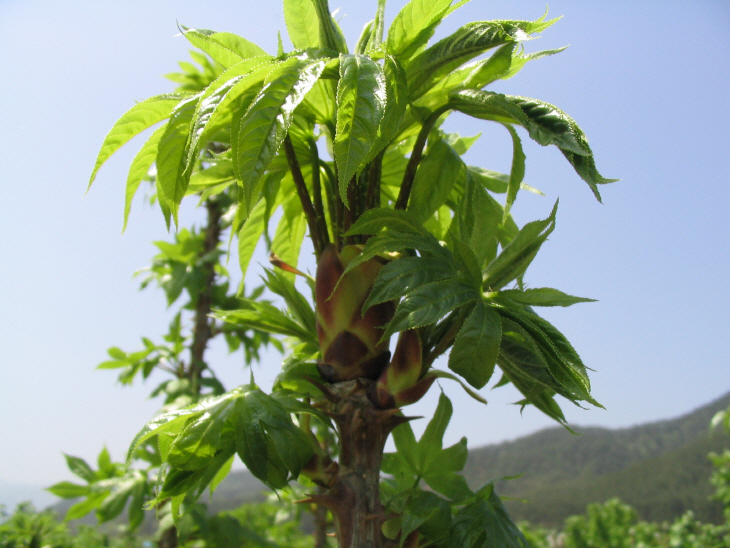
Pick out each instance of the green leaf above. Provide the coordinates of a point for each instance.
(373, 221)
(426, 459)
(437, 174)
(81, 509)
(491, 180)
(330, 34)
(466, 43)
(429, 514)
(395, 108)
(563, 361)
(135, 511)
(80, 468)
(265, 124)
(265, 317)
(478, 220)
(199, 440)
(402, 276)
(250, 234)
(542, 296)
(520, 60)
(487, 105)
(517, 256)
(225, 48)
(114, 504)
(485, 522)
(171, 174)
(302, 23)
(68, 490)
(268, 441)
(391, 241)
(517, 173)
(414, 25)
(361, 100)
(476, 348)
(134, 121)
(221, 474)
(298, 305)
(139, 169)
(290, 232)
(429, 303)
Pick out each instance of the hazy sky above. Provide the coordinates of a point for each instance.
(648, 82)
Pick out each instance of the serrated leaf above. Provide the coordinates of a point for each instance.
(395, 108)
(373, 221)
(264, 126)
(250, 234)
(80, 468)
(170, 160)
(414, 25)
(563, 361)
(487, 105)
(199, 440)
(361, 100)
(302, 23)
(402, 276)
(429, 514)
(437, 174)
(297, 304)
(266, 317)
(134, 121)
(542, 296)
(139, 169)
(429, 303)
(391, 241)
(466, 43)
(485, 522)
(491, 180)
(517, 256)
(517, 172)
(225, 48)
(476, 348)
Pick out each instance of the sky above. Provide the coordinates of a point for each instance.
(647, 81)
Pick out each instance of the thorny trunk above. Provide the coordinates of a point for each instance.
(354, 497)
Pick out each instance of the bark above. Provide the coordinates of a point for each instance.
(354, 498)
(202, 332)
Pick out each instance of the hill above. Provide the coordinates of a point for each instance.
(660, 468)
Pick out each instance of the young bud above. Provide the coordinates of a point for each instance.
(349, 342)
(398, 385)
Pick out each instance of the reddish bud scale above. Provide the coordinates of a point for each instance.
(398, 384)
(349, 341)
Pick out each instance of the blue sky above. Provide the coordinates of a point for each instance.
(647, 82)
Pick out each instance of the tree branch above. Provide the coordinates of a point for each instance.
(317, 192)
(202, 328)
(410, 173)
(301, 185)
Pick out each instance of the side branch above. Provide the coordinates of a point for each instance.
(317, 191)
(319, 240)
(416, 154)
(202, 331)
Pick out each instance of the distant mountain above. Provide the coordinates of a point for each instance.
(660, 468)
(12, 494)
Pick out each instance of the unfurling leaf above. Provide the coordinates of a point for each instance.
(361, 99)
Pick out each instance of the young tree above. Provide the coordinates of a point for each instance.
(409, 240)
